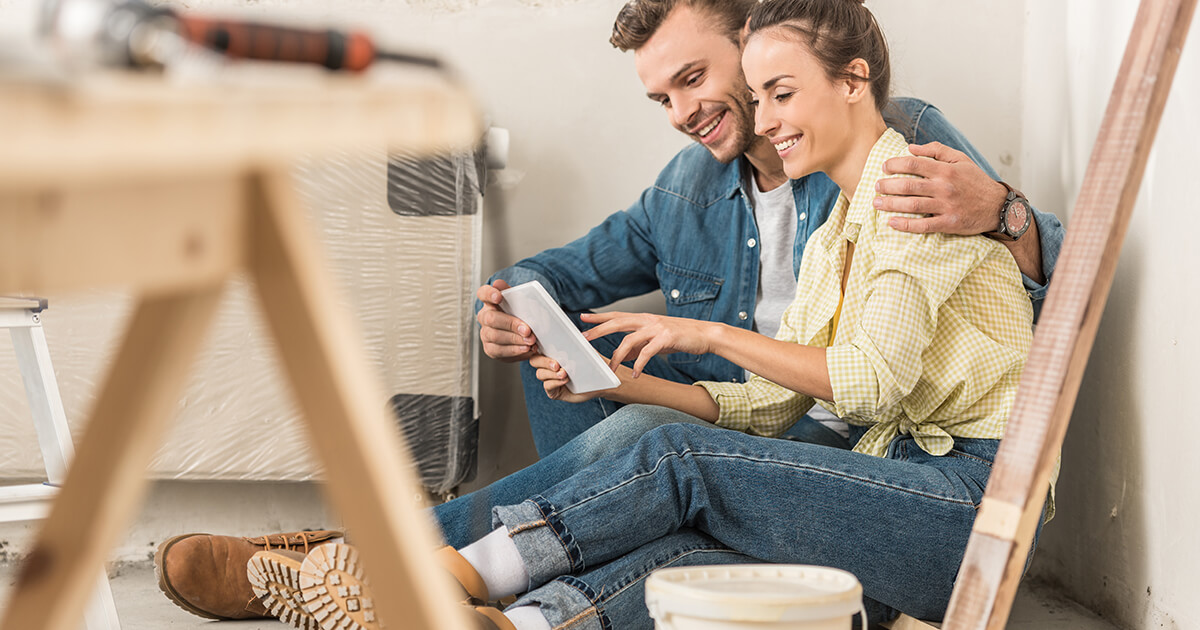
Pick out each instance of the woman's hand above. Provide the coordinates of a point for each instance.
(554, 379)
(650, 335)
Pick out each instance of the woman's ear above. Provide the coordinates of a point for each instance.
(857, 80)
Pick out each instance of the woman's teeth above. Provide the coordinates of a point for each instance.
(786, 144)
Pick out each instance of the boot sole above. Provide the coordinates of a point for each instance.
(164, 585)
(335, 591)
(276, 583)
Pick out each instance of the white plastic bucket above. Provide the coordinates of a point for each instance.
(753, 596)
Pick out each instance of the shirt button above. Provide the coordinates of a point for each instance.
(742, 315)
(803, 216)
(751, 243)
(675, 294)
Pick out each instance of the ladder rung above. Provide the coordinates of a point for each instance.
(10, 303)
(27, 502)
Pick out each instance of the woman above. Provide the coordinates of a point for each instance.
(917, 341)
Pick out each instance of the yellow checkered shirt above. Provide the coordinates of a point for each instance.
(932, 337)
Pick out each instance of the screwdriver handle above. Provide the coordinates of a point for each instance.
(335, 50)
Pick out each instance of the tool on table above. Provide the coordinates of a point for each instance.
(136, 34)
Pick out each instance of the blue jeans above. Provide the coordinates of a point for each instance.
(685, 491)
(467, 518)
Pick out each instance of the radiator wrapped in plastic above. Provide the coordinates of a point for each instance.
(402, 241)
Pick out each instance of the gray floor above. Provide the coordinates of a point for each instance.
(143, 607)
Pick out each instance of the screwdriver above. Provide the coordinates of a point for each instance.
(336, 50)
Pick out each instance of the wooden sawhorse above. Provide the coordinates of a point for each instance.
(124, 180)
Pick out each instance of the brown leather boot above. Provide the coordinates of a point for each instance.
(206, 575)
(491, 619)
(275, 577)
(333, 586)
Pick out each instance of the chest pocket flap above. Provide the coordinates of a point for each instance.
(690, 294)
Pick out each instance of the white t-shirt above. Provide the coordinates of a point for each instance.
(775, 214)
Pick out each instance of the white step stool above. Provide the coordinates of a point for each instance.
(32, 502)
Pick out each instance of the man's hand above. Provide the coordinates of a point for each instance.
(958, 197)
(504, 337)
(956, 194)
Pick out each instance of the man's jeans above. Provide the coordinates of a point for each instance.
(692, 494)
(467, 518)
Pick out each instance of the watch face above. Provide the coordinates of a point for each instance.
(1017, 217)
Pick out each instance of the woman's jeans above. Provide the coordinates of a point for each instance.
(691, 494)
(659, 488)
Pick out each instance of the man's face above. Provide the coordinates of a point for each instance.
(694, 71)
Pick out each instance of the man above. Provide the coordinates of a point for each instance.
(714, 239)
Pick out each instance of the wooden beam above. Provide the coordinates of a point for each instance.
(1003, 532)
(116, 125)
(146, 235)
(370, 476)
(107, 480)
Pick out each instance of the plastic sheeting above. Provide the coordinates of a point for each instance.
(402, 239)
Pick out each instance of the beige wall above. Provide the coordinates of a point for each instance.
(1123, 543)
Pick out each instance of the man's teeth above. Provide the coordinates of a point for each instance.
(713, 125)
(786, 144)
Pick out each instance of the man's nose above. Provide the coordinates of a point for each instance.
(684, 111)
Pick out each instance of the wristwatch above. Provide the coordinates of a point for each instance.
(1015, 216)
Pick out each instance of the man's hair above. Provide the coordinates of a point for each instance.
(639, 19)
(836, 32)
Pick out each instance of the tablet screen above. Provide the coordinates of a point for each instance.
(558, 338)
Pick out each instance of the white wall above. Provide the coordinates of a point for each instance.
(1123, 542)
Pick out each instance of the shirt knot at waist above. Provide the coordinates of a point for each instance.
(932, 438)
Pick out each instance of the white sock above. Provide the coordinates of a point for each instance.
(498, 562)
(527, 618)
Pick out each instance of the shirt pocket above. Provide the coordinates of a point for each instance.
(691, 294)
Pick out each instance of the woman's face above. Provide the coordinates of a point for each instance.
(804, 114)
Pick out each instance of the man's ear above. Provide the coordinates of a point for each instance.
(857, 80)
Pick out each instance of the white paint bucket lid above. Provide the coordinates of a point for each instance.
(754, 593)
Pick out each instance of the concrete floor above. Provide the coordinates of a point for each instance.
(143, 607)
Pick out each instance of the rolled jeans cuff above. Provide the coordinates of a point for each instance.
(567, 601)
(545, 545)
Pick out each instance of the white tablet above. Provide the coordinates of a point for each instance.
(558, 338)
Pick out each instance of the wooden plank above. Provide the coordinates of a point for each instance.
(106, 126)
(148, 235)
(904, 622)
(106, 482)
(370, 478)
(998, 546)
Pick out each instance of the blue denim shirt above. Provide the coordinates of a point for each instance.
(692, 236)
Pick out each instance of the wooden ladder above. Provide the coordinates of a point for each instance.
(1003, 531)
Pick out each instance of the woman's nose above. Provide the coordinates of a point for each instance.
(765, 123)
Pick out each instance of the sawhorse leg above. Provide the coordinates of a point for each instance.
(344, 409)
(107, 480)
(54, 438)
